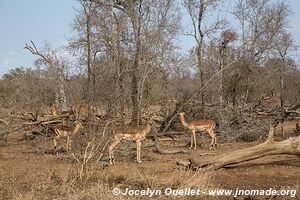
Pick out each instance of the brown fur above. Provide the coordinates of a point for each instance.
(133, 134)
(199, 125)
(66, 132)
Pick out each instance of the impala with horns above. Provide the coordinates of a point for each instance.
(134, 134)
(66, 132)
(199, 125)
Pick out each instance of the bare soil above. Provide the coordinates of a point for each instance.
(28, 172)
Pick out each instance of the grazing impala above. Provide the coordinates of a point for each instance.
(199, 125)
(133, 134)
(66, 132)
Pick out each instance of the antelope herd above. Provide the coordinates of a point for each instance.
(137, 134)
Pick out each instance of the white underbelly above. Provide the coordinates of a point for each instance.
(132, 137)
(200, 128)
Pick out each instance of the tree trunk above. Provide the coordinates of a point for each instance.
(136, 108)
(200, 67)
(62, 99)
(135, 94)
(199, 53)
(221, 76)
(234, 90)
(88, 61)
(282, 97)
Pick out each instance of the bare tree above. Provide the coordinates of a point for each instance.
(227, 37)
(283, 44)
(49, 58)
(201, 28)
(261, 22)
(142, 19)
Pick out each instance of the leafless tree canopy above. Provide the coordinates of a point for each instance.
(124, 62)
(153, 72)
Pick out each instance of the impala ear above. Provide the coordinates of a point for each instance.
(150, 119)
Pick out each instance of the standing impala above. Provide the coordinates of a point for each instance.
(133, 134)
(66, 132)
(199, 125)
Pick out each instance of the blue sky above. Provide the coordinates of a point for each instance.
(49, 21)
(37, 20)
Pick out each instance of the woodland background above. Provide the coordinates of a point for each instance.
(124, 64)
(124, 58)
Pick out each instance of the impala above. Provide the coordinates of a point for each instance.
(55, 112)
(82, 109)
(133, 134)
(66, 132)
(199, 125)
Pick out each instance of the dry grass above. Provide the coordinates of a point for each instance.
(53, 185)
(28, 173)
(154, 180)
(201, 179)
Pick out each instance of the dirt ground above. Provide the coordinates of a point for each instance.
(28, 172)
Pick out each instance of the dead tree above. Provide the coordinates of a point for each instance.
(290, 146)
(198, 11)
(49, 58)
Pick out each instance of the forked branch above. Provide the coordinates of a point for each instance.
(33, 49)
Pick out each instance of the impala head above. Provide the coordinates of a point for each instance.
(181, 114)
(79, 124)
(149, 120)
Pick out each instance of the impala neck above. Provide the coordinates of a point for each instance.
(147, 129)
(76, 128)
(183, 121)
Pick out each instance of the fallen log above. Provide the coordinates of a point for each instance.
(290, 146)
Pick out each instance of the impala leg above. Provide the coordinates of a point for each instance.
(213, 139)
(214, 136)
(55, 141)
(68, 143)
(192, 140)
(215, 142)
(195, 141)
(111, 148)
(138, 151)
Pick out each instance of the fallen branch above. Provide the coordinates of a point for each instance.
(25, 125)
(3, 121)
(45, 122)
(290, 146)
